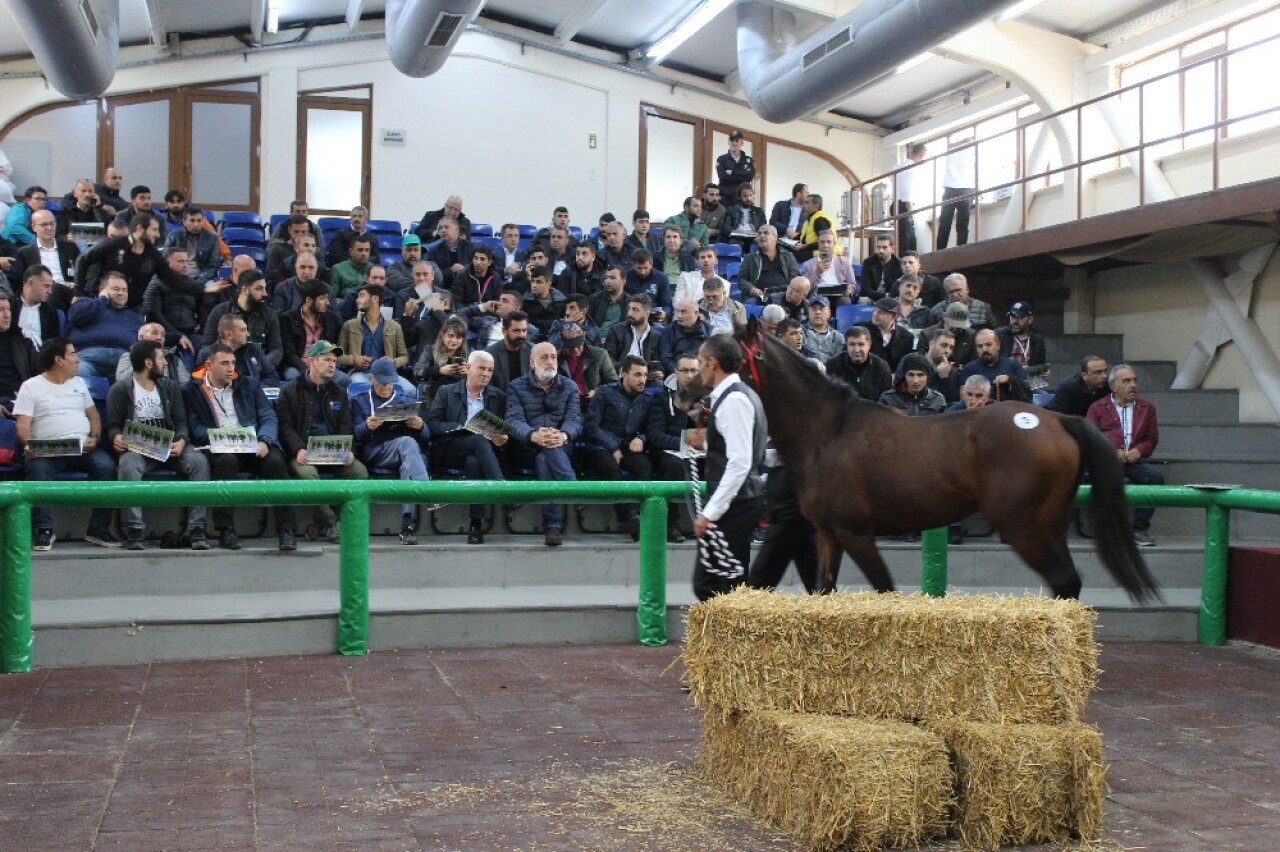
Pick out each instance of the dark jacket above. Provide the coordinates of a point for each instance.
(287, 296)
(542, 316)
(23, 356)
(1017, 390)
(752, 266)
(431, 220)
(94, 322)
(294, 409)
(877, 278)
(587, 282)
(665, 421)
(927, 402)
(252, 409)
(780, 217)
(120, 400)
(29, 255)
(448, 412)
(900, 344)
(116, 255)
(252, 362)
(501, 380)
(530, 408)
(48, 318)
(293, 336)
(931, 290)
(869, 380)
(733, 218)
(676, 341)
(207, 256)
(339, 247)
(371, 439)
(1073, 396)
(264, 328)
(617, 342)
(598, 308)
(597, 368)
(71, 214)
(614, 418)
(179, 311)
(657, 285)
(732, 175)
(467, 289)
(1037, 355)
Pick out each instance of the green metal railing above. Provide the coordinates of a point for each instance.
(356, 498)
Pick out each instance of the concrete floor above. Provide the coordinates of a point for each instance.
(535, 748)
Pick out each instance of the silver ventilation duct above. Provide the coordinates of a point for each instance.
(422, 33)
(851, 52)
(75, 41)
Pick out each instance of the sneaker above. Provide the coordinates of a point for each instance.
(674, 535)
(475, 535)
(288, 542)
(135, 540)
(408, 534)
(552, 537)
(44, 540)
(1143, 539)
(105, 538)
(198, 541)
(631, 526)
(331, 534)
(228, 540)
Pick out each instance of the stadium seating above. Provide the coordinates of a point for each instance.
(847, 315)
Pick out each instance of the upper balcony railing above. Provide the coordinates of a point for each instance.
(1131, 124)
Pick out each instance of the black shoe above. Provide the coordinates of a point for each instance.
(631, 526)
(135, 540)
(288, 542)
(552, 537)
(198, 541)
(228, 540)
(674, 536)
(330, 534)
(408, 534)
(475, 535)
(954, 536)
(44, 540)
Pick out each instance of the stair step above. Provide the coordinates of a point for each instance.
(1073, 347)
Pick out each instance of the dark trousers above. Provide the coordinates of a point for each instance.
(789, 537)
(600, 464)
(100, 467)
(669, 468)
(1143, 473)
(270, 466)
(475, 456)
(959, 210)
(906, 227)
(736, 525)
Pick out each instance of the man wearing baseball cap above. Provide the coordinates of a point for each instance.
(400, 273)
(1025, 347)
(395, 444)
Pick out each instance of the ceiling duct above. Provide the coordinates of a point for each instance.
(846, 55)
(76, 42)
(422, 33)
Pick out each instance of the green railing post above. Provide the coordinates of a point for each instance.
(353, 578)
(933, 552)
(16, 639)
(651, 614)
(1211, 626)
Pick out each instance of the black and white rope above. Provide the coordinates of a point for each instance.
(713, 548)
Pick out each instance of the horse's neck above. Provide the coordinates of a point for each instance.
(799, 406)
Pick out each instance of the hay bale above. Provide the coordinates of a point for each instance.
(1023, 784)
(832, 782)
(978, 658)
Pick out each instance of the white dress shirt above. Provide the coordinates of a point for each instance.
(734, 421)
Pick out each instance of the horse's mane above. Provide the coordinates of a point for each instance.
(842, 393)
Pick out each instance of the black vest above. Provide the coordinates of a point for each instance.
(716, 460)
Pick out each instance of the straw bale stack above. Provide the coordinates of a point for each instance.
(832, 782)
(1023, 784)
(910, 658)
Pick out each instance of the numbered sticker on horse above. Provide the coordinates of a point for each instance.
(1026, 420)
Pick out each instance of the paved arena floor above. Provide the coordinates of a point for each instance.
(535, 748)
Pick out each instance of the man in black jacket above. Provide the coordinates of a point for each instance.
(17, 359)
(867, 374)
(881, 270)
(635, 336)
(452, 209)
(454, 447)
(150, 399)
(313, 318)
(313, 405)
(614, 435)
(665, 425)
(250, 303)
(41, 324)
(1075, 394)
(889, 340)
(138, 260)
(42, 250)
(608, 306)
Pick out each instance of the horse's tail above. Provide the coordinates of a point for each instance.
(1109, 512)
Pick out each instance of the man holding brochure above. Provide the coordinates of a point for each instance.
(232, 418)
(313, 412)
(392, 433)
(147, 427)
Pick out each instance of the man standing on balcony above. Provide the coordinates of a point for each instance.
(958, 183)
(904, 196)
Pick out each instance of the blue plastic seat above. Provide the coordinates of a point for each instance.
(336, 223)
(754, 310)
(386, 226)
(726, 252)
(528, 232)
(575, 232)
(258, 253)
(9, 441)
(244, 237)
(731, 271)
(278, 219)
(392, 243)
(53, 205)
(240, 219)
(481, 229)
(849, 315)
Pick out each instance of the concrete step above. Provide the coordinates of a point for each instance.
(1216, 406)
(1073, 347)
(1219, 442)
(1152, 375)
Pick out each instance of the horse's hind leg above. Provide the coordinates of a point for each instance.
(1048, 556)
(861, 547)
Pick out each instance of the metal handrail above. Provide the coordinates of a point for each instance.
(1076, 113)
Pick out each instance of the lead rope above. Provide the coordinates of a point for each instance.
(713, 548)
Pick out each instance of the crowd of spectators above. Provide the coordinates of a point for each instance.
(574, 347)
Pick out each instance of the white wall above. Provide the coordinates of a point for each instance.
(503, 126)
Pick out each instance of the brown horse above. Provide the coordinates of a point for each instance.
(861, 470)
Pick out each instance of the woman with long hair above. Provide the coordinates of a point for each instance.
(445, 362)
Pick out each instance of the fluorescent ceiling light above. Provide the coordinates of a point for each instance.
(919, 59)
(701, 16)
(273, 16)
(1017, 10)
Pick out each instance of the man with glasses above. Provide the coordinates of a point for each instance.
(48, 250)
(17, 224)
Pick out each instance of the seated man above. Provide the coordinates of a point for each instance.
(280, 253)
(1076, 393)
(744, 219)
(250, 304)
(689, 221)
(665, 425)
(575, 311)
(299, 329)
(452, 252)
(590, 367)
(179, 312)
(586, 274)
(643, 278)
(429, 225)
(544, 409)
(867, 374)
(511, 354)
(175, 370)
(348, 274)
(642, 235)
(56, 404)
(81, 206)
(287, 296)
(370, 336)
(147, 397)
(911, 393)
(608, 306)
(614, 436)
(544, 304)
(104, 328)
(791, 332)
(677, 256)
(400, 273)
(216, 399)
(58, 254)
(718, 310)
(397, 444)
(17, 359)
(313, 404)
(615, 250)
(795, 299)
(479, 281)
(819, 336)
(454, 447)
(683, 336)
(635, 336)
(32, 314)
(766, 271)
(974, 393)
(1129, 423)
(339, 245)
(691, 284)
(832, 274)
(889, 339)
(17, 222)
(1008, 379)
(203, 258)
(251, 361)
